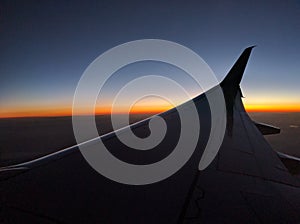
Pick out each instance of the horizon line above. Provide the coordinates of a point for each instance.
(144, 112)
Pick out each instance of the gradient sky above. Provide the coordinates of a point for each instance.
(47, 45)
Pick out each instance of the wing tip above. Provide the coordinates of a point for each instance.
(251, 47)
(234, 76)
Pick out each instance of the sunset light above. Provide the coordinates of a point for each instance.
(139, 108)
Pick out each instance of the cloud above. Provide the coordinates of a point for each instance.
(294, 126)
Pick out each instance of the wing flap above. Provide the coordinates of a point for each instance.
(266, 129)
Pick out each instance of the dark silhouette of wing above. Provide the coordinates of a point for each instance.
(246, 182)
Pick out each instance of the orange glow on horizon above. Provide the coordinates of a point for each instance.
(272, 108)
(137, 109)
(60, 112)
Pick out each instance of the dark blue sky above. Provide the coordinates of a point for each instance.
(46, 45)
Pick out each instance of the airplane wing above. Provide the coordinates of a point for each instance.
(286, 156)
(266, 129)
(292, 163)
(246, 182)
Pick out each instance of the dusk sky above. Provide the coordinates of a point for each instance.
(47, 45)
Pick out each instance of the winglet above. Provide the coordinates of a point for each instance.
(234, 76)
(231, 85)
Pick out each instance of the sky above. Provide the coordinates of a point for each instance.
(47, 45)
